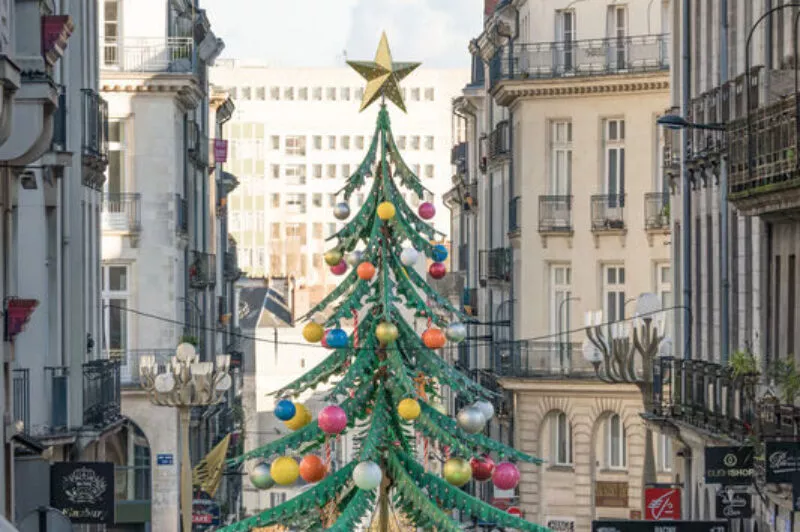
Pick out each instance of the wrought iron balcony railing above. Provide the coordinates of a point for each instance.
(525, 359)
(656, 211)
(500, 140)
(101, 392)
(608, 212)
(515, 215)
(21, 388)
(94, 126)
(128, 360)
(555, 214)
(149, 54)
(202, 270)
(495, 265)
(182, 215)
(122, 213)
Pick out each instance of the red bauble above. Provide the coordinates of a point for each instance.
(340, 268)
(437, 270)
(365, 271)
(324, 340)
(482, 468)
(427, 211)
(312, 469)
(433, 338)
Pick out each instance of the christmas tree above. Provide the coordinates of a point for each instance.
(390, 379)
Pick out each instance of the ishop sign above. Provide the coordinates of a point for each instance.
(83, 491)
(729, 466)
(782, 461)
(734, 505)
(662, 504)
(664, 526)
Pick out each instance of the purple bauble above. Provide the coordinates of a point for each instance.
(332, 419)
(427, 211)
(340, 268)
(506, 476)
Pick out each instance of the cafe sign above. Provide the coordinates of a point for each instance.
(83, 491)
(611, 494)
(782, 461)
(729, 466)
(734, 504)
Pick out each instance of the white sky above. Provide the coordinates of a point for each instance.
(298, 33)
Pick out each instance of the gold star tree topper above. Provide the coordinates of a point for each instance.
(383, 76)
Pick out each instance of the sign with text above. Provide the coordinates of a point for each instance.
(611, 494)
(164, 459)
(220, 151)
(729, 466)
(782, 461)
(83, 491)
(560, 524)
(663, 526)
(734, 504)
(205, 514)
(662, 504)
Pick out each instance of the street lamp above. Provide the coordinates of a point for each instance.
(679, 122)
(185, 383)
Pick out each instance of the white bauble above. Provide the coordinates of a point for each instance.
(486, 408)
(354, 258)
(409, 257)
(367, 475)
(456, 332)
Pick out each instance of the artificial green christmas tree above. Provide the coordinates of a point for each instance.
(389, 377)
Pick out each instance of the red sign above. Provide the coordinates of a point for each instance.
(515, 510)
(220, 151)
(662, 504)
(202, 519)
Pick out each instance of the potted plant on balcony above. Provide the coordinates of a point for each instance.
(190, 339)
(665, 215)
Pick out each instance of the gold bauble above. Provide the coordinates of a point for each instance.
(333, 257)
(408, 409)
(313, 332)
(302, 417)
(284, 470)
(386, 211)
(457, 472)
(386, 332)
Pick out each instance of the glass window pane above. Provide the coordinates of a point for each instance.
(117, 325)
(118, 278)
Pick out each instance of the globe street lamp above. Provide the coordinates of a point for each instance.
(185, 382)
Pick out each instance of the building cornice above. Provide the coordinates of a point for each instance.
(185, 87)
(574, 386)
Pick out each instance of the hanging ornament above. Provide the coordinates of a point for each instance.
(482, 468)
(386, 211)
(409, 257)
(486, 408)
(333, 257)
(324, 341)
(439, 253)
(506, 476)
(471, 420)
(456, 332)
(312, 469)
(285, 410)
(457, 471)
(367, 475)
(437, 270)
(336, 339)
(341, 211)
(332, 419)
(284, 470)
(427, 210)
(433, 338)
(408, 409)
(354, 258)
(340, 268)
(365, 271)
(260, 477)
(386, 332)
(301, 418)
(313, 332)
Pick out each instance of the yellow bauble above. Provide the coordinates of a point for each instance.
(457, 472)
(386, 211)
(408, 409)
(386, 332)
(302, 417)
(284, 470)
(313, 332)
(333, 257)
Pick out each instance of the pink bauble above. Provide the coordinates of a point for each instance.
(332, 419)
(324, 342)
(437, 270)
(427, 211)
(340, 268)
(482, 468)
(506, 476)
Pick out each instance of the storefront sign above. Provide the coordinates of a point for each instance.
(83, 491)
(729, 466)
(663, 526)
(560, 524)
(734, 504)
(782, 461)
(220, 151)
(205, 514)
(611, 494)
(662, 504)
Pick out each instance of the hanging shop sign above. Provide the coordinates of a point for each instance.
(560, 524)
(782, 461)
(83, 491)
(660, 526)
(729, 466)
(220, 151)
(734, 504)
(662, 504)
(611, 494)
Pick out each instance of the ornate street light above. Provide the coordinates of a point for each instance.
(185, 383)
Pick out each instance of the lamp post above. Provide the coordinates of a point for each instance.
(185, 383)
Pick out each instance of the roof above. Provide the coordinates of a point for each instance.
(278, 307)
(264, 307)
(251, 301)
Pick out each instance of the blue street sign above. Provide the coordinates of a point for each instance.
(164, 459)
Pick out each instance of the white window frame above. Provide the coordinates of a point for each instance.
(617, 31)
(295, 144)
(429, 142)
(295, 174)
(360, 142)
(288, 94)
(107, 295)
(302, 94)
(622, 450)
(614, 148)
(561, 157)
(566, 35)
(561, 421)
(665, 453)
(121, 147)
(615, 311)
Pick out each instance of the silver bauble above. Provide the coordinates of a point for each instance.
(456, 332)
(486, 408)
(341, 211)
(409, 257)
(260, 476)
(471, 420)
(354, 258)
(367, 475)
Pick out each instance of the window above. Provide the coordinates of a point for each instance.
(561, 158)
(566, 35)
(110, 32)
(331, 142)
(345, 143)
(317, 142)
(261, 93)
(317, 94)
(359, 93)
(664, 451)
(664, 289)
(415, 95)
(274, 93)
(295, 145)
(275, 232)
(302, 94)
(295, 174)
(429, 171)
(275, 170)
(115, 319)
(331, 200)
(330, 94)
(246, 93)
(401, 142)
(296, 203)
(616, 445)
(560, 307)
(360, 142)
(617, 29)
(613, 293)
(345, 170)
(115, 171)
(288, 93)
(275, 142)
(316, 199)
(429, 94)
(317, 171)
(275, 200)
(562, 439)
(614, 140)
(276, 499)
(331, 171)
(316, 230)
(415, 142)
(344, 93)
(429, 142)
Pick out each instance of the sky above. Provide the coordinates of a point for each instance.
(302, 33)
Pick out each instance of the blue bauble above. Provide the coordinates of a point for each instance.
(336, 338)
(439, 253)
(285, 410)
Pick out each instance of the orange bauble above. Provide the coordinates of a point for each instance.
(433, 338)
(366, 271)
(312, 469)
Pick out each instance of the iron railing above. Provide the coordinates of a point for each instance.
(59, 386)
(202, 269)
(608, 212)
(589, 57)
(500, 140)
(515, 214)
(94, 125)
(495, 265)
(458, 158)
(182, 215)
(527, 359)
(122, 212)
(101, 392)
(656, 210)
(21, 387)
(555, 214)
(149, 54)
(128, 360)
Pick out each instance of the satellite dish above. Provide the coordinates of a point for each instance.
(43, 519)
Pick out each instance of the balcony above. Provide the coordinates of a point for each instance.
(608, 212)
(21, 388)
(469, 301)
(656, 211)
(589, 57)
(526, 359)
(181, 215)
(555, 214)
(202, 270)
(94, 136)
(101, 392)
(458, 158)
(495, 265)
(231, 263)
(514, 215)
(129, 363)
(149, 54)
(499, 143)
(122, 213)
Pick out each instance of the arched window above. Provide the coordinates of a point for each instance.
(615, 443)
(562, 439)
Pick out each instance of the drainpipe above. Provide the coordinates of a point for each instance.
(723, 201)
